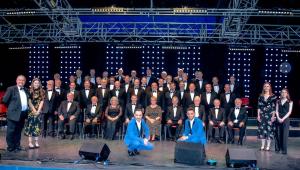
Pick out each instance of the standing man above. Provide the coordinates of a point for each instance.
(16, 98)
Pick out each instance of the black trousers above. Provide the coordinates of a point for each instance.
(61, 125)
(174, 130)
(14, 131)
(45, 118)
(281, 135)
(231, 131)
(220, 129)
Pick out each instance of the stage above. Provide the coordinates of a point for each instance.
(56, 153)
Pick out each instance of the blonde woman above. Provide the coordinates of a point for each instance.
(36, 101)
(113, 114)
(153, 116)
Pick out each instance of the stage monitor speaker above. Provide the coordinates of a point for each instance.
(94, 151)
(240, 157)
(189, 153)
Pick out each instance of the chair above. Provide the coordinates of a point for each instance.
(245, 103)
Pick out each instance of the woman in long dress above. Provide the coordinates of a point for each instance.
(266, 116)
(36, 101)
(153, 116)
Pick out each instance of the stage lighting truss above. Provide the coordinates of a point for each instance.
(189, 59)
(238, 64)
(153, 57)
(114, 59)
(274, 58)
(70, 61)
(38, 62)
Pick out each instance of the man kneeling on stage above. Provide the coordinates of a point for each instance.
(137, 135)
(193, 129)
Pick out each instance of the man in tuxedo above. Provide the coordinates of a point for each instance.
(208, 98)
(237, 119)
(133, 76)
(227, 99)
(181, 91)
(144, 85)
(111, 84)
(86, 94)
(92, 114)
(137, 135)
(156, 93)
(199, 109)
(72, 89)
(68, 112)
(217, 87)
(189, 95)
(150, 78)
(175, 117)
(138, 91)
(79, 79)
(16, 99)
(49, 109)
(193, 129)
(126, 85)
(103, 94)
(131, 107)
(199, 82)
(217, 120)
(235, 87)
(119, 93)
(169, 95)
(185, 81)
(60, 90)
(120, 76)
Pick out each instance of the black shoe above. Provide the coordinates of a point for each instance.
(10, 149)
(240, 143)
(62, 137)
(131, 153)
(221, 141)
(72, 137)
(19, 148)
(136, 152)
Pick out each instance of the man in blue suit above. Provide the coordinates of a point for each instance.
(137, 135)
(193, 129)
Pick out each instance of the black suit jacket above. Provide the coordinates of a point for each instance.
(13, 101)
(221, 115)
(76, 95)
(180, 97)
(61, 95)
(121, 97)
(237, 90)
(129, 113)
(227, 105)
(74, 109)
(187, 99)
(140, 95)
(201, 111)
(197, 83)
(212, 98)
(168, 99)
(51, 105)
(151, 80)
(86, 100)
(103, 99)
(160, 98)
(242, 117)
(179, 114)
(97, 113)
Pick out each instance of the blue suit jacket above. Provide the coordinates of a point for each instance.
(133, 133)
(196, 134)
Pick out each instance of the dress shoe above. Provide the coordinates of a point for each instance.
(131, 153)
(10, 149)
(37, 145)
(136, 152)
(61, 136)
(71, 137)
(221, 141)
(19, 148)
(284, 152)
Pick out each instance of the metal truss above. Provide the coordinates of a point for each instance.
(66, 26)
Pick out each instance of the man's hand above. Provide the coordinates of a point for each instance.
(127, 121)
(72, 117)
(169, 121)
(145, 141)
(242, 124)
(222, 123)
(61, 117)
(211, 122)
(183, 138)
(230, 123)
(180, 122)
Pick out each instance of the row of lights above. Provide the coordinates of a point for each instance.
(68, 47)
(20, 13)
(109, 9)
(290, 51)
(189, 10)
(129, 47)
(275, 12)
(19, 48)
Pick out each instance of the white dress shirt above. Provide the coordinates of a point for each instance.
(87, 91)
(93, 109)
(227, 96)
(231, 87)
(175, 111)
(50, 94)
(216, 112)
(196, 111)
(68, 106)
(111, 87)
(154, 93)
(133, 107)
(236, 113)
(208, 97)
(191, 123)
(24, 102)
(192, 95)
(139, 125)
(216, 88)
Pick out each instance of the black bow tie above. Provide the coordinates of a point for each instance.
(94, 105)
(21, 88)
(154, 91)
(69, 101)
(87, 89)
(57, 88)
(217, 108)
(227, 93)
(117, 89)
(49, 90)
(208, 92)
(136, 88)
(174, 106)
(237, 107)
(133, 104)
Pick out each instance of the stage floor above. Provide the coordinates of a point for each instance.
(57, 153)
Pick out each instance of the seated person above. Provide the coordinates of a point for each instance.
(175, 117)
(199, 109)
(113, 114)
(137, 134)
(217, 120)
(193, 129)
(237, 119)
(131, 107)
(153, 116)
(68, 112)
(92, 114)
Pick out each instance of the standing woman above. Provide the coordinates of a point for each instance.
(113, 114)
(284, 108)
(153, 116)
(266, 116)
(36, 101)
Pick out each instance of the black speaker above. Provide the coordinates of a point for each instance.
(189, 153)
(240, 157)
(94, 151)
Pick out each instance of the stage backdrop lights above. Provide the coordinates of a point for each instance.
(153, 58)
(38, 62)
(188, 59)
(274, 60)
(114, 59)
(238, 64)
(70, 61)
